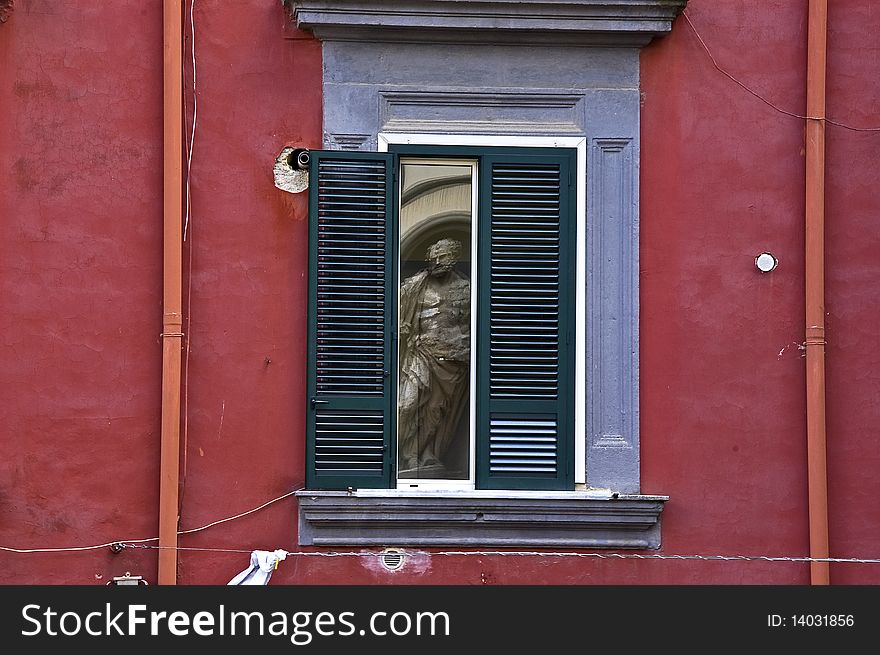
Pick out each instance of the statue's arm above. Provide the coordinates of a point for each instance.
(409, 310)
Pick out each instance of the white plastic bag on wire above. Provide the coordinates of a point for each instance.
(263, 562)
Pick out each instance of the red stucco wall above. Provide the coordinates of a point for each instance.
(81, 276)
(852, 282)
(723, 399)
(722, 379)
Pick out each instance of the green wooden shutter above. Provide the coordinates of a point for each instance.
(348, 442)
(526, 309)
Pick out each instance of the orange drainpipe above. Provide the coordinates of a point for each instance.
(172, 322)
(814, 227)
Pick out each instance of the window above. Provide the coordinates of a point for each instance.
(443, 323)
(558, 75)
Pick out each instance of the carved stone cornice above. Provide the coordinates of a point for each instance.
(526, 22)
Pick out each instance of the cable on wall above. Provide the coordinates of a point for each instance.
(762, 98)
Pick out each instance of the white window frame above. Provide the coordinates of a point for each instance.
(386, 139)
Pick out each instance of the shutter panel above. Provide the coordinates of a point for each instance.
(526, 302)
(350, 308)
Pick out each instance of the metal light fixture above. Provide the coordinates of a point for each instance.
(127, 579)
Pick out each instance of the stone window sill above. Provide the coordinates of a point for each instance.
(575, 519)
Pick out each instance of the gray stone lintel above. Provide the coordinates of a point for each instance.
(574, 519)
(526, 22)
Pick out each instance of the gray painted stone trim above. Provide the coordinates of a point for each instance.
(559, 114)
(613, 345)
(573, 520)
(526, 22)
(557, 91)
(374, 83)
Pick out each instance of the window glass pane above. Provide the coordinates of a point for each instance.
(434, 438)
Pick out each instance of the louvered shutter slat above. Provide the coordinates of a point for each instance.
(348, 441)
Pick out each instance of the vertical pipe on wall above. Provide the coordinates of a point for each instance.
(814, 226)
(172, 322)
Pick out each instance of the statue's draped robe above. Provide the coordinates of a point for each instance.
(434, 366)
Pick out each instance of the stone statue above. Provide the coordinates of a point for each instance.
(435, 321)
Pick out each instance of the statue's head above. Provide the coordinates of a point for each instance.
(443, 255)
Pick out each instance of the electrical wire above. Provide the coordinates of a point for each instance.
(123, 542)
(529, 553)
(192, 137)
(191, 141)
(762, 98)
(238, 516)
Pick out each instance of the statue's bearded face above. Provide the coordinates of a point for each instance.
(442, 256)
(441, 262)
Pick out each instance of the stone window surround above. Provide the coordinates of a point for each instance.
(515, 68)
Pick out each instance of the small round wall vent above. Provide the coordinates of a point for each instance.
(392, 559)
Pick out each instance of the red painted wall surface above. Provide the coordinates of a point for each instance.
(852, 282)
(81, 280)
(722, 378)
(722, 386)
